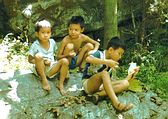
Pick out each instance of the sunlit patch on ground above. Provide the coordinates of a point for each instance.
(13, 93)
(6, 75)
(10, 61)
(25, 71)
(4, 109)
(120, 116)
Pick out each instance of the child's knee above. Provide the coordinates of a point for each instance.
(104, 73)
(65, 61)
(69, 47)
(89, 46)
(125, 83)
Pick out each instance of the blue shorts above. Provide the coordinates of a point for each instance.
(73, 62)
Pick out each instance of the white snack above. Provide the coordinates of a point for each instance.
(132, 67)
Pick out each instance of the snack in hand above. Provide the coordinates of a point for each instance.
(132, 68)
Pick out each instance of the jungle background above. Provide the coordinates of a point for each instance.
(143, 24)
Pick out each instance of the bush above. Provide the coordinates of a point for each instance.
(15, 46)
(160, 84)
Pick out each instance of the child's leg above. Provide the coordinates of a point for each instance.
(103, 77)
(69, 47)
(118, 86)
(63, 75)
(40, 67)
(62, 66)
(83, 53)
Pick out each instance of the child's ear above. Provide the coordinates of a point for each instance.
(110, 50)
(36, 34)
(82, 30)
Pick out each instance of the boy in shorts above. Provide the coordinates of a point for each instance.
(41, 54)
(97, 77)
(76, 46)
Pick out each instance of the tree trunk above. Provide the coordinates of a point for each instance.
(141, 30)
(110, 20)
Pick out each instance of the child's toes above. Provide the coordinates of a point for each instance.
(47, 88)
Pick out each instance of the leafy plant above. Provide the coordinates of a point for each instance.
(159, 84)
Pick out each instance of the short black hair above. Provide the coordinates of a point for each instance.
(115, 43)
(77, 20)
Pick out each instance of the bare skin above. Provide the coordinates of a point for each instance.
(119, 85)
(42, 63)
(72, 44)
(43, 35)
(110, 88)
(62, 66)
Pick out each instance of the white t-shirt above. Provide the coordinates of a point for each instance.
(91, 69)
(49, 54)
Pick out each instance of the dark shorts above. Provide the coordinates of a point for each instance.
(73, 62)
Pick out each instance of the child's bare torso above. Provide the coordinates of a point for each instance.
(76, 42)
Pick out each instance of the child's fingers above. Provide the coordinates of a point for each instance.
(136, 69)
(72, 53)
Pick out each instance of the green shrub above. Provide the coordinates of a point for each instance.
(160, 84)
(15, 46)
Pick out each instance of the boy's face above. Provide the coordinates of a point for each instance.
(75, 30)
(115, 54)
(44, 33)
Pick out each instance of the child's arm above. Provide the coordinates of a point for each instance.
(94, 60)
(90, 40)
(31, 59)
(61, 49)
(70, 54)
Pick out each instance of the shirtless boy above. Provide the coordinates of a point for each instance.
(76, 46)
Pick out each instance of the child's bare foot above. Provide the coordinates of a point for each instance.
(123, 107)
(61, 89)
(46, 86)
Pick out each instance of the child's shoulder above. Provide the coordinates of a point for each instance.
(66, 39)
(83, 36)
(35, 42)
(52, 40)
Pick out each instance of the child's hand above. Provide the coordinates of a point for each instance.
(133, 73)
(133, 68)
(111, 63)
(47, 62)
(72, 53)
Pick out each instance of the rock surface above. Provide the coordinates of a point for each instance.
(22, 97)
